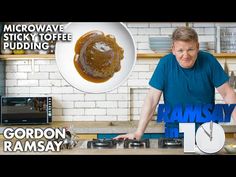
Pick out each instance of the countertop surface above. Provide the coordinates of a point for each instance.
(113, 127)
(109, 126)
(80, 149)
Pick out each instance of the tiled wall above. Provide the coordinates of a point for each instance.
(70, 104)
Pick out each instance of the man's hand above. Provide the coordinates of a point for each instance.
(129, 136)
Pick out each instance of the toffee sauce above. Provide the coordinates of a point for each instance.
(97, 56)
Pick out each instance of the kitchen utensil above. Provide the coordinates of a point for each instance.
(226, 68)
(232, 79)
(234, 82)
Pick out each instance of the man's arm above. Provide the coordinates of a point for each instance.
(148, 109)
(228, 95)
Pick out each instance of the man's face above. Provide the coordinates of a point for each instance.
(185, 52)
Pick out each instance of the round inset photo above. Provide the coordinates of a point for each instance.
(99, 58)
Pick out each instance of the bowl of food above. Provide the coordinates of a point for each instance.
(99, 58)
(230, 148)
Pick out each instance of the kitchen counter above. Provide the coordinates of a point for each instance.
(79, 150)
(110, 126)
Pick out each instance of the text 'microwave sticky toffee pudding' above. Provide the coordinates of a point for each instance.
(97, 56)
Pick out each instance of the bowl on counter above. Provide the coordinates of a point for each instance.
(230, 148)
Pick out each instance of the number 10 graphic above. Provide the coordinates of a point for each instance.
(210, 137)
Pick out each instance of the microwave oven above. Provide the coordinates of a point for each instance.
(26, 110)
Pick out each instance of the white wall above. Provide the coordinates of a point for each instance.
(70, 104)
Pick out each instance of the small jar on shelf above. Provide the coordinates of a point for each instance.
(52, 46)
(19, 52)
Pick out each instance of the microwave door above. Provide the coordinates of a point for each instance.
(26, 110)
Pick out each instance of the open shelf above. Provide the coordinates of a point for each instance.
(139, 56)
(27, 56)
(159, 55)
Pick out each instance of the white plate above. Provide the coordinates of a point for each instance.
(65, 55)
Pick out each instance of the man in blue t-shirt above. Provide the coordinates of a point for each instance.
(185, 76)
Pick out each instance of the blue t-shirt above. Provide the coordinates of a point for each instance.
(194, 85)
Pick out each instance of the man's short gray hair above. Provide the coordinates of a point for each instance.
(184, 33)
